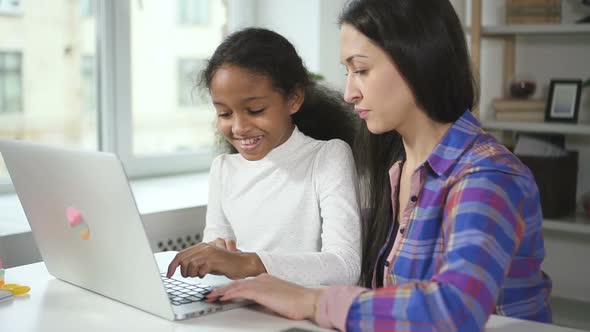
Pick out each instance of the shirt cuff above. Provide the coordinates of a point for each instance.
(334, 304)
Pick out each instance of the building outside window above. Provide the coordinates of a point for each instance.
(11, 92)
(88, 83)
(87, 8)
(193, 12)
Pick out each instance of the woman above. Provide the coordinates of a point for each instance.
(453, 232)
(286, 190)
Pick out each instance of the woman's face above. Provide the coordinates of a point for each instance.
(252, 115)
(374, 85)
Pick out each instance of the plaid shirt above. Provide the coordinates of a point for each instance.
(469, 244)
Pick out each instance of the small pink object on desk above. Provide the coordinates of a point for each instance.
(1, 274)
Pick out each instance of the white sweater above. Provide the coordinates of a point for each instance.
(297, 208)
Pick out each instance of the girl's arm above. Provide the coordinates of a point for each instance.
(216, 224)
(338, 262)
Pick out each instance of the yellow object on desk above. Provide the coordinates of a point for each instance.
(15, 289)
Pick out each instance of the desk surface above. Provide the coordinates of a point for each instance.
(56, 305)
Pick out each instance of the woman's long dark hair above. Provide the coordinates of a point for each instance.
(323, 115)
(424, 38)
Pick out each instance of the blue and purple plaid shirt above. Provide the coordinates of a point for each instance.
(469, 245)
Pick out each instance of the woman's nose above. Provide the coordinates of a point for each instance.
(352, 94)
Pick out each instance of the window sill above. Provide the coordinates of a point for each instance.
(151, 195)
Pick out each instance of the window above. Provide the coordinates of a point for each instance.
(11, 7)
(41, 84)
(188, 72)
(193, 12)
(87, 8)
(163, 118)
(10, 82)
(88, 84)
(112, 81)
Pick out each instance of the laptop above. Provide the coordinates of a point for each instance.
(90, 234)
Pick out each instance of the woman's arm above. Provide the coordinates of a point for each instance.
(483, 225)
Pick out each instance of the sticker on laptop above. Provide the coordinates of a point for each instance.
(77, 223)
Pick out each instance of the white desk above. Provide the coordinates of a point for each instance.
(54, 305)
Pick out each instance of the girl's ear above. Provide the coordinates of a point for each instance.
(296, 100)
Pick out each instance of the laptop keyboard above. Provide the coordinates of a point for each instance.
(181, 292)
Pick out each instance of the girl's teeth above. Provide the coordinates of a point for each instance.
(249, 141)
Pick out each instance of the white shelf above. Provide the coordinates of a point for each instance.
(539, 127)
(535, 29)
(578, 224)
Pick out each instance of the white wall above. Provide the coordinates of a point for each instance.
(311, 26)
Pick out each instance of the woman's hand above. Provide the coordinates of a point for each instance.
(285, 298)
(205, 258)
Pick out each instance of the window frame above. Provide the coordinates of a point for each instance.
(115, 116)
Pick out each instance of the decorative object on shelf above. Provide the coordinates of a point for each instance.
(587, 83)
(533, 11)
(519, 110)
(586, 203)
(522, 88)
(587, 18)
(545, 155)
(563, 101)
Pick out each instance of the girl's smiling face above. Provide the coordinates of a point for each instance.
(253, 115)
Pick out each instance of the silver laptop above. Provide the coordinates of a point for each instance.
(90, 234)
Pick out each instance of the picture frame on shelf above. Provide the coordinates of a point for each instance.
(563, 102)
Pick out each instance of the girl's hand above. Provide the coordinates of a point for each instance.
(204, 258)
(227, 244)
(285, 298)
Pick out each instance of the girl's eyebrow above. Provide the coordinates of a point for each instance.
(247, 99)
(252, 98)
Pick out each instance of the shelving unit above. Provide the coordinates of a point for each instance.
(567, 240)
(578, 224)
(539, 127)
(535, 29)
(509, 35)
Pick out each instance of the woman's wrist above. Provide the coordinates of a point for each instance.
(313, 298)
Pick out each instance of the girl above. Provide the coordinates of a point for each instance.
(453, 231)
(287, 194)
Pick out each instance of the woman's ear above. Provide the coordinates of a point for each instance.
(296, 100)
